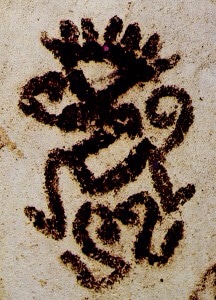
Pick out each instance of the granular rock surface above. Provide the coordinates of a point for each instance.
(107, 139)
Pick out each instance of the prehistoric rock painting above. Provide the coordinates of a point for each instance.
(99, 113)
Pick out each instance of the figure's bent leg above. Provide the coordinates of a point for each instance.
(89, 248)
(143, 244)
(164, 187)
(54, 226)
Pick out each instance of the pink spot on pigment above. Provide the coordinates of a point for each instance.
(105, 48)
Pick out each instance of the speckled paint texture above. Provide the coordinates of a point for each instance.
(107, 150)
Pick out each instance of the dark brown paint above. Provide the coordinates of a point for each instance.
(101, 108)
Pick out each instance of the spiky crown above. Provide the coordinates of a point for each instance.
(126, 54)
(133, 65)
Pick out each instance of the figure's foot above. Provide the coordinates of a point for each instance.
(184, 194)
(50, 227)
(87, 279)
(171, 240)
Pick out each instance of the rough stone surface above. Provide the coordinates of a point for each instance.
(103, 218)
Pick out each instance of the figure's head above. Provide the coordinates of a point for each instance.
(132, 63)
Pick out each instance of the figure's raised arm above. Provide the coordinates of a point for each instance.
(52, 84)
